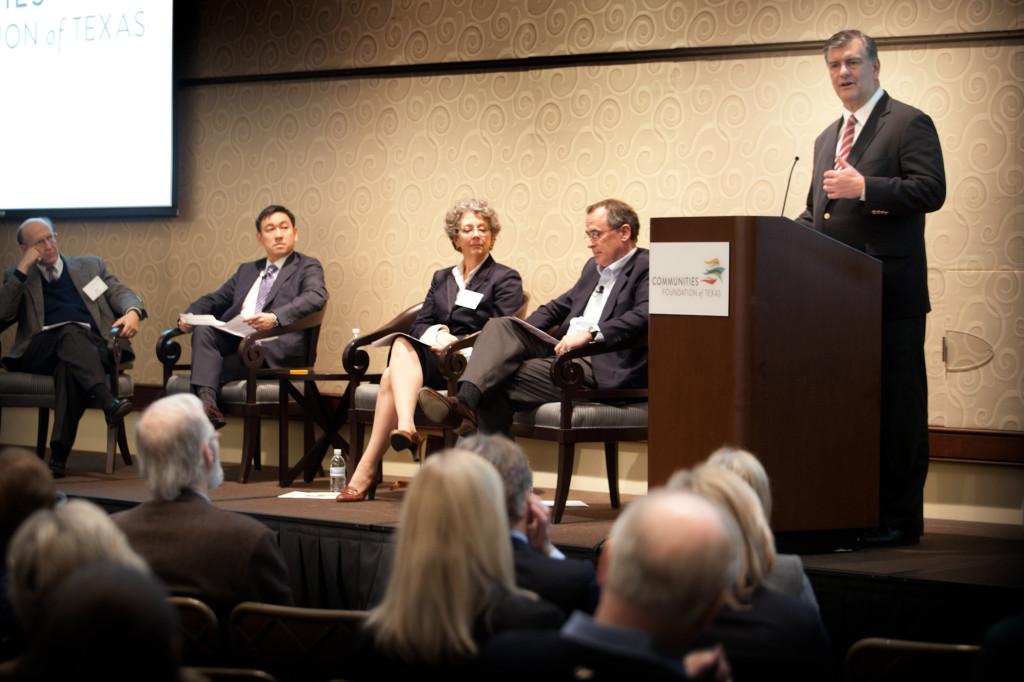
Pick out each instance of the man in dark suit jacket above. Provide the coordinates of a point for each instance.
(66, 310)
(665, 569)
(510, 367)
(273, 291)
(874, 179)
(197, 550)
(540, 567)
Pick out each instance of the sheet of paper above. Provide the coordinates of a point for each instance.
(235, 326)
(542, 335)
(300, 495)
(568, 503)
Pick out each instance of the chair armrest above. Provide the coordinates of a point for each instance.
(568, 375)
(252, 354)
(168, 352)
(453, 363)
(356, 361)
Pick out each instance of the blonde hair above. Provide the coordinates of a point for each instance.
(52, 544)
(740, 501)
(453, 561)
(749, 468)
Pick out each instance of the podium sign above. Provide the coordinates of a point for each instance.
(690, 278)
(789, 368)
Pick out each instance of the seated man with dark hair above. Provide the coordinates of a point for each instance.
(540, 566)
(274, 291)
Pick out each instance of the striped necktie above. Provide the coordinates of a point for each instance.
(847, 140)
(265, 285)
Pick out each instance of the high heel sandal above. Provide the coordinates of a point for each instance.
(350, 494)
(403, 440)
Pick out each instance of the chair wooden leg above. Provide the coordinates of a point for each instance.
(566, 455)
(250, 446)
(611, 463)
(122, 444)
(111, 448)
(41, 431)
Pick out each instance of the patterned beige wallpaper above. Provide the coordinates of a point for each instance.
(370, 164)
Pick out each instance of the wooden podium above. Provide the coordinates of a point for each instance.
(792, 374)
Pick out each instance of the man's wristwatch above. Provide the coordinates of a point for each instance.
(277, 322)
(593, 334)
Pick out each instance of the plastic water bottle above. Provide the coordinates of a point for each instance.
(338, 478)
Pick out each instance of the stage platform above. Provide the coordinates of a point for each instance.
(951, 587)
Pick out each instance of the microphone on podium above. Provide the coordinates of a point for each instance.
(788, 180)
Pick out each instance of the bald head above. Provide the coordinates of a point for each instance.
(673, 554)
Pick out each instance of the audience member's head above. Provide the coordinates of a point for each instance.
(668, 562)
(51, 544)
(177, 447)
(739, 500)
(749, 468)
(108, 622)
(453, 560)
(513, 466)
(25, 486)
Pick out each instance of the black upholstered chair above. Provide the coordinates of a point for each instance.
(250, 398)
(582, 415)
(21, 389)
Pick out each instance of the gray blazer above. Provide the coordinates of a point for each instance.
(22, 302)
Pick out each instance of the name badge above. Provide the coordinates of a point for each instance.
(468, 299)
(95, 288)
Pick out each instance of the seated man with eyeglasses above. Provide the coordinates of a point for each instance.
(510, 366)
(67, 309)
(274, 291)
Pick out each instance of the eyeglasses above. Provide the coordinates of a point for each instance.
(470, 229)
(595, 235)
(51, 238)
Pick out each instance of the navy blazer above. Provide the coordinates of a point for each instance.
(298, 291)
(502, 290)
(624, 318)
(571, 584)
(898, 154)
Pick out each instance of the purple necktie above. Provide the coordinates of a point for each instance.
(847, 143)
(51, 273)
(265, 285)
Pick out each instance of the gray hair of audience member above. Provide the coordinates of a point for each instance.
(514, 468)
(97, 606)
(843, 38)
(749, 468)
(25, 486)
(29, 221)
(452, 561)
(739, 500)
(478, 206)
(672, 554)
(170, 437)
(52, 544)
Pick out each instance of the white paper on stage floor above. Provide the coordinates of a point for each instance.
(300, 495)
(235, 326)
(580, 504)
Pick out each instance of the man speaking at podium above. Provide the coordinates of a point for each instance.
(877, 171)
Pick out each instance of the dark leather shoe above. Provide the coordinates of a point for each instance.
(403, 440)
(58, 467)
(888, 537)
(117, 411)
(447, 411)
(215, 416)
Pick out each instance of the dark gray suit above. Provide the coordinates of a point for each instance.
(898, 154)
(77, 357)
(511, 368)
(298, 290)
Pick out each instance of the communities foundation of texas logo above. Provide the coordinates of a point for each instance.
(713, 272)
